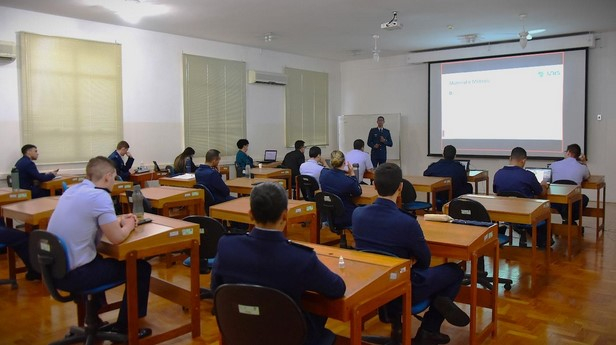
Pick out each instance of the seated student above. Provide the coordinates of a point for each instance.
(265, 257)
(513, 178)
(448, 167)
(207, 174)
(383, 227)
(18, 240)
(314, 165)
(83, 214)
(242, 159)
(573, 167)
(294, 159)
(342, 183)
(122, 168)
(179, 164)
(358, 156)
(29, 176)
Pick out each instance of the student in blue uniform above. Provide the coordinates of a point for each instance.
(242, 159)
(514, 178)
(448, 167)
(265, 257)
(342, 183)
(207, 174)
(383, 227)
(29, 176)
(122, 168)
(378, 140)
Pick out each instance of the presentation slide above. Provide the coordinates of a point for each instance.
(485, 107)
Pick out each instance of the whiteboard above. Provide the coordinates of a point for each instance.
(352, 127)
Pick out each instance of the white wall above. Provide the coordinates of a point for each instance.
(393, 86)
(152, 86)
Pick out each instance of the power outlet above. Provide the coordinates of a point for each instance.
(598, 117)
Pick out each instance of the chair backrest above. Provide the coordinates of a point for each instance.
(208, 197)
(258, 315)
(239, 171)
(564, 182)
(147, 205)
(330, 207)
(468, 209)
(308, 185)
(211, 231)
(408, 193)
(48, 257)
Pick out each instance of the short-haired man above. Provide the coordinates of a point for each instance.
(29, 176)
(208, 175)
(378, 140)
(448, 167)
(83, 215)
(514, 178)
(573, 168)
(314, 164)
(122, 168)
(383, 227)
(294, 159)
(359, 157)
(265, 257)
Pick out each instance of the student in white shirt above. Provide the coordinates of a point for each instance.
(358, 156)
(572, 167)
(314, 164)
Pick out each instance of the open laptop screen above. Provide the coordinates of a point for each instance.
(466, 163)
(542, 174)
(270, 155)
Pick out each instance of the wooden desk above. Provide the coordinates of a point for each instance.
(431, 185)
(371, 281)
(244, 185)
(298, 211)
(140, 178)
(369, 175)
(8, 196)
(469, 243)
(368, 195)
(278, 173)
(596, 182)
(567, 194)
(476, 176)
(55, 184)
(165, 198)
(119, 187)
(520, 211)
(34, 213)
(178, 181)
(161, 236)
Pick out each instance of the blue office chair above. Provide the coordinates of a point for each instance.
(49, 257)
(409, 199)
(13, 282)
(209, 197)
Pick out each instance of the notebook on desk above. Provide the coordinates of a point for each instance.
(269, 156)
(542, 174)
(466, 163)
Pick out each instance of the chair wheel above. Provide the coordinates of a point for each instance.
(507, 286)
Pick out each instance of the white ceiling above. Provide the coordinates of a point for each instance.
(333, 29)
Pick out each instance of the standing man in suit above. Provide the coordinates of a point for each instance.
(29, 176)
(378, 140)
(122, 168)
(265, 257)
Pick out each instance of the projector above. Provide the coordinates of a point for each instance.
(391, 25)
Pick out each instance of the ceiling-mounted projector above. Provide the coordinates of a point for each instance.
(393, 24)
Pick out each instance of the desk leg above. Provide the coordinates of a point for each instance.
(569, 223)
(195, 302)
(131, 298)
(473, 302)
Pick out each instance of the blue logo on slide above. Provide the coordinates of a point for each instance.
(540, 74)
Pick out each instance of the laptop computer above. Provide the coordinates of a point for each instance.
(269, 156)
(466, 163)
(542, 174)
(156, 167)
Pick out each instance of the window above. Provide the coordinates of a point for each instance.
(71, 94)
(214, 104)
(306, 107)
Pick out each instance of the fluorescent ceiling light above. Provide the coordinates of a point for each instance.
(130, 11)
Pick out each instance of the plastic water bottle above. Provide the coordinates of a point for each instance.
(188, 165)
(356, 172)
(341, 262)
(248, 171)
(15, 178)
(138, 202)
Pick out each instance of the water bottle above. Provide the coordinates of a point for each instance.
(248, 171)
(341, 262)
(356, 172)
(188, 165)
(138, 202)
(15, 178)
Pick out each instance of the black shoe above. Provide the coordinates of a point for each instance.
(142, 333)
(451, 312)
(427, 337)
(32, 275)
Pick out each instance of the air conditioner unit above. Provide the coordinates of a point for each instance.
(271, 78)
(7, 50)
